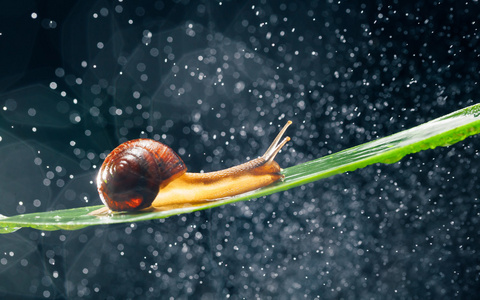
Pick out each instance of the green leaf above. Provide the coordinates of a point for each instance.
(443, 131)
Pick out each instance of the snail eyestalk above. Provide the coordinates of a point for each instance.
(276, 145)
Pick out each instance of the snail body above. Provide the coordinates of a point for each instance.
(146, 174)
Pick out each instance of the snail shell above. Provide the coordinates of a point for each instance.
(133, 173)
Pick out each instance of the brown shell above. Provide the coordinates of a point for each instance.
(132, 174)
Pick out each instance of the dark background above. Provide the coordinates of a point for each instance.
(215, 80)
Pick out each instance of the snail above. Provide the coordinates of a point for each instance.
(144, 174)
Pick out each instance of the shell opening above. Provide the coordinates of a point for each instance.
(277, 145)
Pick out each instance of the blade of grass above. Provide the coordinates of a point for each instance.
(443, 131)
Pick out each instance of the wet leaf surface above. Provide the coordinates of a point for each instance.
(443, 131)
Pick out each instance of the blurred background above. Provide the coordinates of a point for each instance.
(215, 80)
